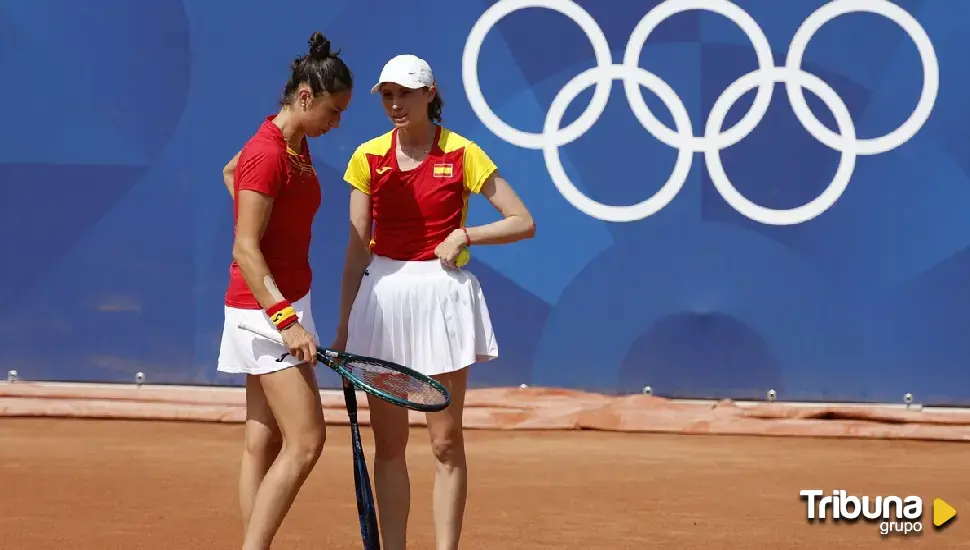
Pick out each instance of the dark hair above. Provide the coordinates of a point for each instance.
(434, 108)
(321, 69)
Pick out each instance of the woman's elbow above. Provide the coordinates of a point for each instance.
(238, 253)
(241, 252)
(358, 245)
(528, 227)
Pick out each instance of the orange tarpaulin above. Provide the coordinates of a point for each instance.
(509, 409)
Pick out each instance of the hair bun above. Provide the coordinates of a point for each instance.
(319, 45)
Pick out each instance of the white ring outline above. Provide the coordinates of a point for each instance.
(843, 173)
(762, 48)
(927, 54)
(580, 200)
(469, 72)
(683, 139)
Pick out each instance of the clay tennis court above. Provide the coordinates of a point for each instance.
(83, 483)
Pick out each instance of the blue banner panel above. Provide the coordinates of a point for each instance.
(730, 197)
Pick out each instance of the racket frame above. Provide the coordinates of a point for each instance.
(366, 509)
(335, 360)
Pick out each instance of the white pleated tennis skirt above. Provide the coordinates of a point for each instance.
(421, 315)
(243, 352)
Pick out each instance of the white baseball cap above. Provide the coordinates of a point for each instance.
(406, 70)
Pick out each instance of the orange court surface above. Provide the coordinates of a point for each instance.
(74, 476)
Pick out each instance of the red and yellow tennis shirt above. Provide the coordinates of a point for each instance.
(268, 166)
(413, 211)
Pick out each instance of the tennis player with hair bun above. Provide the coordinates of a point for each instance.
(404, 296)
(276, 196)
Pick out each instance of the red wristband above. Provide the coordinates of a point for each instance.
(468, 240)
(282, 314)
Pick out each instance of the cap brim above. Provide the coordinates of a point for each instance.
(407, 83)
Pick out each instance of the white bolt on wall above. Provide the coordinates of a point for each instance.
(140, 378)
(11, 376)
(772, 395)
(647, 390)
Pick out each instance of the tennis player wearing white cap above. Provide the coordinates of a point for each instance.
(404, 296)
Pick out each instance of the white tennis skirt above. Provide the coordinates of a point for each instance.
(243, 352)
(421, 315)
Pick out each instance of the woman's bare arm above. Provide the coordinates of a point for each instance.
(516, 223)
(254, 212)
(357, 256)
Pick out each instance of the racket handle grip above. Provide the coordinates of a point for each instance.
(260, 332)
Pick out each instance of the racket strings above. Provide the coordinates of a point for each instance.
(395, 383)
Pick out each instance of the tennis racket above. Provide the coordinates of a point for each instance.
(386, 380)
(366, 512)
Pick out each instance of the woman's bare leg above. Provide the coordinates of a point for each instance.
(451, 468)
(392, 485)
(293, 396)
(263, 442)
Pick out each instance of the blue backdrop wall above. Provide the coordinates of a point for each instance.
(117, 228)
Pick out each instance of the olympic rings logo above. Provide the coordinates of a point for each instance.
(715, 138)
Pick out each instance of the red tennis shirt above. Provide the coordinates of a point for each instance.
(413, 211)
(266, 165)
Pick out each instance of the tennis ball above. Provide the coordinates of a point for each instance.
(463, 257)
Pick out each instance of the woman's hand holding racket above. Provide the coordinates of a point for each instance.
(300, 343)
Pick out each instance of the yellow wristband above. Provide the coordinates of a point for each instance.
(282, 315)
